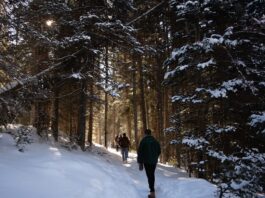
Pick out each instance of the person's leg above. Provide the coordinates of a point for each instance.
(122, 153)
(126, 153)
(150, 173)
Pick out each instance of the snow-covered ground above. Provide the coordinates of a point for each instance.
(47, 171)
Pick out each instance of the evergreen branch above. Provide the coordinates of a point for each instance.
(15, 84)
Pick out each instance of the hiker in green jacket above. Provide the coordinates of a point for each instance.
(147, 157)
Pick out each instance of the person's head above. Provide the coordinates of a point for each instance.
(147, 132)
(124, 134)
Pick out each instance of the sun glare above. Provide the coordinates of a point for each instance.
(49, 22)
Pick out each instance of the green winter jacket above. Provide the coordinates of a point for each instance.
(148, 150)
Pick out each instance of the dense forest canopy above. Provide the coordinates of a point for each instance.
(193, 71)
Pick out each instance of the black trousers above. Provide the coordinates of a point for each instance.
(150, 173)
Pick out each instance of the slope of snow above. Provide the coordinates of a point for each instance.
(47, 171)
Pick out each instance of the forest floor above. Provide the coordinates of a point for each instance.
(46, 170)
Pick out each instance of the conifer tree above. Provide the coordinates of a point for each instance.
(62, 40)
(217, 70)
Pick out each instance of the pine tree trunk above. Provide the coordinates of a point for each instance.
(55, 115)
(42, 119)
(91, 115)
(99, 131)
(106, 99)
(128, 115)
(142, 94)
(129, 124)
(81, 128)
(71, 132)
(159, 107)
(106, 121)
(135, 113)
(91, 105)
(69, 120)
(166, 123)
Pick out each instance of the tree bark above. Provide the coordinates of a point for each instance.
(135, 113)
(55, 115)
(106, 98)
(166, 122)
(142, 95)
(82, 115)
(91, 105)
(91, 115)
(159, 106)
(129, 124)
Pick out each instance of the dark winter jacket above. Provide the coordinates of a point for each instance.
(148, 150)
(124, 142)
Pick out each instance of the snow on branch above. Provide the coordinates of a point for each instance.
(197, 143)
(199, 66)
(256, 119)
(227, 86)
(206, 45)
(220, 155)
(185, 99)
(170, 130)
(216, 129)
(206, 64)
(171, 74)
(12, 85)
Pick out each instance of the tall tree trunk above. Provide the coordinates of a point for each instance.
(129, 124)
(115, 126)
(69, 119)
(91, 105)
(82, 114)
(159, 107)
(106, 121)
(42, 118)
(128, 114)
(166, 123)
(135, 112)
(99, 131)
(106, 98)
(71, 130)
(55, 114)
(142, 95)
(128, 117)
(91, 113)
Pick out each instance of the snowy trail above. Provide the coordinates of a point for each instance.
(45, 171)
(170, 182)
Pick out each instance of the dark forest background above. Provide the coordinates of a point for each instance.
(192, 71)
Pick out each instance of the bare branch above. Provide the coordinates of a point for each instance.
(146, 13)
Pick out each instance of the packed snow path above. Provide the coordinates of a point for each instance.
(46, 171)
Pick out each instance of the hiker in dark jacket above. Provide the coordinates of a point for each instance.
(147, 157)
(124, 143)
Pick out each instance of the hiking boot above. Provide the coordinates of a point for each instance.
(151, 195)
